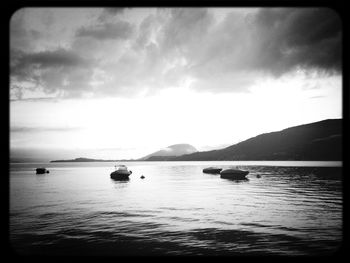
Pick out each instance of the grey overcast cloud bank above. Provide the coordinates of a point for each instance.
(114, 56)
(77, 74)
(43, 129)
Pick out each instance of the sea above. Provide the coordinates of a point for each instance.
(283, 208)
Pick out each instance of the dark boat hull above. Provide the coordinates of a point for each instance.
(212, 170)
(120, 176)
(234, 174)
(41, 170)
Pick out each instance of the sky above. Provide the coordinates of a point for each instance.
(117, 83)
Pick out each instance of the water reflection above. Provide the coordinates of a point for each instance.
(333, 173)
(237, 181)
(120, 182)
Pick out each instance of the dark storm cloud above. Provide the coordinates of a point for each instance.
(118, 30)
(22, 62)
(304, 37)
(233, 54)
(59, 70)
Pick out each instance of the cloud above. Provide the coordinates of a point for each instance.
(25, 129)
(110, 12)
(16, 92)
(317, 97)
(185, 28)
(45, 59)
(118, 30)
(269, 42)
(15, 97)
(57, 70)
(32, 66)
(20, 36)
(112, 57)
(148, 27)
(298, 37)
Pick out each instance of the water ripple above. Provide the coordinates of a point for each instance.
(178, 210)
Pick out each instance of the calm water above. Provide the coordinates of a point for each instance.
(292, 209)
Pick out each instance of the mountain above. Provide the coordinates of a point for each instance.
(169, 152)
(318, 141)
(321, 141)
(165, 154)
(81, 159)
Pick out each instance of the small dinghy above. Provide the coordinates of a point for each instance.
(212, 170)
(234, 174)
(121, 173)
(41, 171)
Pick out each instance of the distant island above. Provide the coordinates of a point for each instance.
(171, 151)
(318, 141)
(81, 159)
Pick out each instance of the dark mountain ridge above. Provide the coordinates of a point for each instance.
(314, 141)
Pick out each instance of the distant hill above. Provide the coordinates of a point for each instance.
(318, 141)
(169, 152)
(162, 155)
(321, 141)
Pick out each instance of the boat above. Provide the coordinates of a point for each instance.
(212, 170)
(121, 173)
(234, 174)
(41, 170)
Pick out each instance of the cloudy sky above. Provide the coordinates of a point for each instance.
(121, 83)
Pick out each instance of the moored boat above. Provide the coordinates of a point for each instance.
(41, 170)
(212, 170)
(234, 174)
(121, 173)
